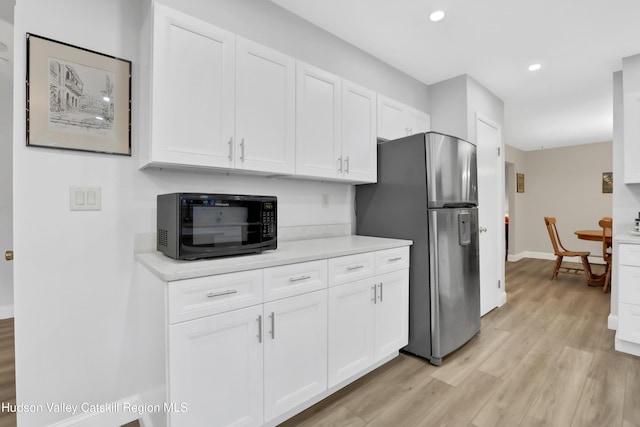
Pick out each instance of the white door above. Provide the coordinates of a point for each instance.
(318, 121)
(215, 366)
(350, 329)
(265, 108)
(6, 169)
(392, 313)
(358, 161)
(193, 96)
(295, 351)
(490, 213)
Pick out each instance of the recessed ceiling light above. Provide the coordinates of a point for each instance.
(534, 67)
(436, 16)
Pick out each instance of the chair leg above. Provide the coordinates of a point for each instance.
(556, 269)
(607, 280)
(587, 269)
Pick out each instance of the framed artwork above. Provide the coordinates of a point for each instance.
(607, 182)
(77, 99)
(520, 182)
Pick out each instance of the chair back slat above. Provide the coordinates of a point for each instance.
(550, 222)
(606, 223)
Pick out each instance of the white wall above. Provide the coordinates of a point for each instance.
(74, 304)
(449, 107)
(6, 188)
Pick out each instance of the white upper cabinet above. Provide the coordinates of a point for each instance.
(359, 161)
(265, 109)
(335, 127)
(397, 120)
(318, 121)
(192, 107)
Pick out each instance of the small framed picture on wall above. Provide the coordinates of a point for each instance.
(607, 182)
(520, 182)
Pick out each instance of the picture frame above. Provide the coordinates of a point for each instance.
(77, 99)
(607, 182)
(520, 182)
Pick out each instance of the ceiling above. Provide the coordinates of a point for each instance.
(579, 43)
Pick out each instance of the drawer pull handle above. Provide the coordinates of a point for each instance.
(219, 294)
(273, 325)
(259, 319)
(297, 279)
(355, 267)
(398, 258)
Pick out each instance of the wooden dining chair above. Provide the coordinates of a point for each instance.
(560, 252)
(606, 224)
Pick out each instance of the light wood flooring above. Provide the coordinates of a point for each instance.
(7, 372)
(545, 358)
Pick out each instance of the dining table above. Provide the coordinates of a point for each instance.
(595, 236)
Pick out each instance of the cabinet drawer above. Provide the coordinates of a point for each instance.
(194, 298)
(351, 267)
(629, 323)
(629, 255)
(392, 260)
(294, 279)
(629, 284)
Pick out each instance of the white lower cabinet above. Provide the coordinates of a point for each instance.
(215, 368)
(368, 321)
(295, 351)
(253, 347)
(628, 266)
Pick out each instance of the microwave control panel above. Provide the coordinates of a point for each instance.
(268, 220)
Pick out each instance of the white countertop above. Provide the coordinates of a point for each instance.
(627, 238)
(291, 252)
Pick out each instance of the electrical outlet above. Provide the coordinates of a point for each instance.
(85, 198)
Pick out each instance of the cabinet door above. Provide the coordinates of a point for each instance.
(629, 323)
(359, 157)
(318, 122)
(350, 329)
(265, 119)
(295, 351)
(392, 119)
(419, 121)
(215, 367)
(392, 313)
(193, 99)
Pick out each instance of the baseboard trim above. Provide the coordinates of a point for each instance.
(6, 311)
(549, 256)
(106, 415)
(612, 322)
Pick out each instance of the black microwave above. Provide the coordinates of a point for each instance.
(195, 226)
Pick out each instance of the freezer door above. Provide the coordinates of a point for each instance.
(452, 175)
(454, 278)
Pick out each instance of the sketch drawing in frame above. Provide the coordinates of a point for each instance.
(77, 99)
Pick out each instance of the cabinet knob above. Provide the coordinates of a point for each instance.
(8, 255)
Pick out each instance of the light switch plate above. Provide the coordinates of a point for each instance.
(85, 198)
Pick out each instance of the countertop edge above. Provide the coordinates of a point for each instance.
(291, 252)
(626, 238)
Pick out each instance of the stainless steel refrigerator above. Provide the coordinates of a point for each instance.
(427, 192)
